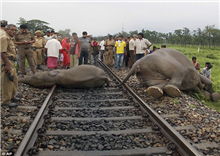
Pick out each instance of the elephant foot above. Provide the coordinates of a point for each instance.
(155, 91)
(215, 97)
(172, 91)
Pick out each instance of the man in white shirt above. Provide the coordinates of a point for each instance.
(131, 50)
(102, 49)
(53, 48)
(207, 71)
(141, 44)
(47, 36)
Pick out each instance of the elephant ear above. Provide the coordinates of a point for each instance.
(53, 73)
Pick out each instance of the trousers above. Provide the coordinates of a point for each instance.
(94, 59)
(8, 88)
(139, 56)
(37, 56)
(26, 53)
(132, 58)
(83, 57)
(119, 60)
(73, 61)
(109, 57)
(101, 54)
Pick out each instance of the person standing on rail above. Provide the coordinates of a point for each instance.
(95, 51)
(102, 48)
(37, 48)
(120, 51)
(85, 45)
(131, 51)
(109, 45)
(24, 40)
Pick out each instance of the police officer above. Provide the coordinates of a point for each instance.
(3, 23)
(24, 40)
(37, 48)
(9, 80)
(109, 44)
(3, 27)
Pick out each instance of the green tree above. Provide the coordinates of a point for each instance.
(65, 33)
(34, 25)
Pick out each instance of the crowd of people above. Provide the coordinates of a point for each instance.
(54, 51)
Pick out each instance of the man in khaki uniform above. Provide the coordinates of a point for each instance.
(24, 40)
(37, 48)
(3, 23)
(109, 44)
(9, 80)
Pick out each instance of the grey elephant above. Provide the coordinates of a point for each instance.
(84, 76)
(168, 70)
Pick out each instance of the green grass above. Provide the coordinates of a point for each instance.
(204, 55)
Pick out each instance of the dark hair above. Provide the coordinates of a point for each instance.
(109, 35)
(52, 31)
(154, 47)
(193, 58)
(141, 34)
(209, 66)
(164, 46)
(10, 25)
(207, 63)
(74, 33)
(23, 26)
(84, 33)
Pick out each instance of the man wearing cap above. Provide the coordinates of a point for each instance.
(109, 44)
(141, 44)
(3, 23)
(37, 48)
(9, 80)
(24, 40)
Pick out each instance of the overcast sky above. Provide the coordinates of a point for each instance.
(102, 17)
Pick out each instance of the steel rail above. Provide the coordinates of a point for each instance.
(183, 147)
(32, 131)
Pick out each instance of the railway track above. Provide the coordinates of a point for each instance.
(101, 121)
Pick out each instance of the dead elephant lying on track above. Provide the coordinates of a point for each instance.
(168, 70)
(84, 76)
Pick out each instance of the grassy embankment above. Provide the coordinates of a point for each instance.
(204, 55)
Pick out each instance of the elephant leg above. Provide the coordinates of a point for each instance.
(156, 90)
(215, 97)
(172, 88)
(207, 83)
(196, 89)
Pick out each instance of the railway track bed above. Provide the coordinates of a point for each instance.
(105, 121)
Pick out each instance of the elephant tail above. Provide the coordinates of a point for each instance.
(131, 72)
